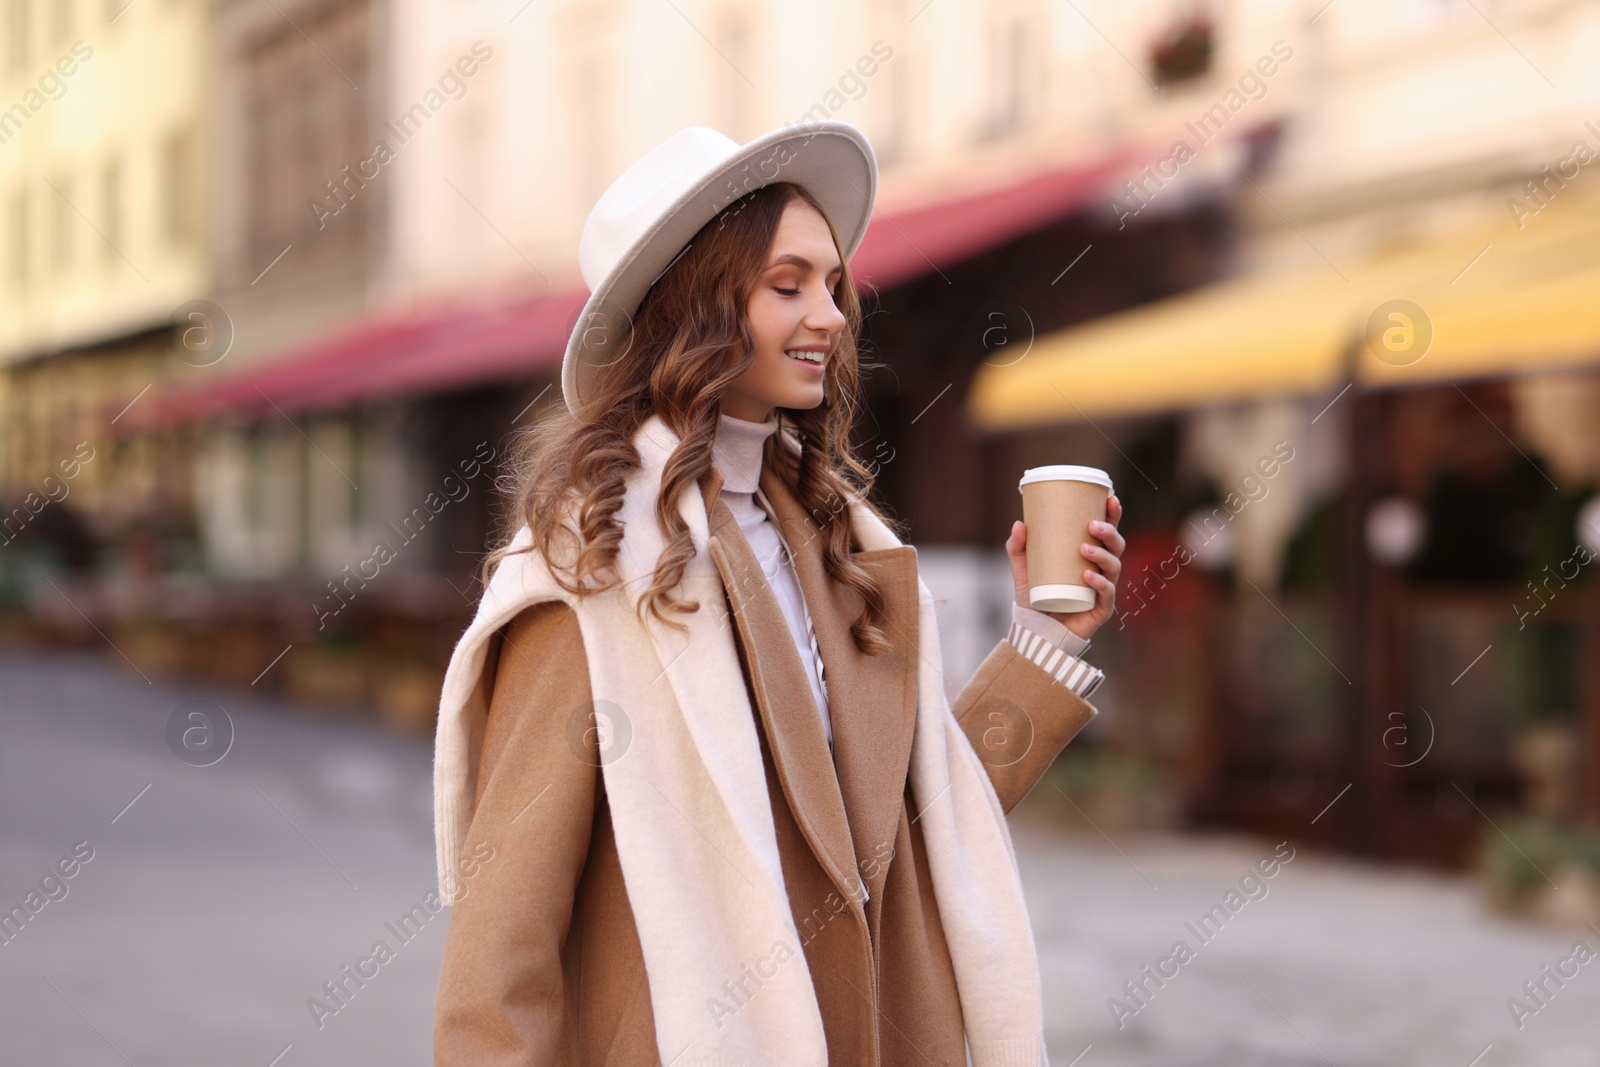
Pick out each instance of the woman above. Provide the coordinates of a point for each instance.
(700, 796)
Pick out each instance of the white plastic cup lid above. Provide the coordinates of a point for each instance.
(1065, 472)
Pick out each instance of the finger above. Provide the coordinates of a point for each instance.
(1017, 551)
(1107, 534)
(1105, 588)
(1019, 537)
(1109, 562)
(1096, 580)
(1019, 561)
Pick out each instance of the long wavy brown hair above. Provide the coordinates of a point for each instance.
(691, 341)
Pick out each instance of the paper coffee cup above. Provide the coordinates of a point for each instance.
(1058, 503)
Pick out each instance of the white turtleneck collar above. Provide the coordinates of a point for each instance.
(737, 451)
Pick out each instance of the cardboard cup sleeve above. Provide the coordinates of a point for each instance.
(1058, 503)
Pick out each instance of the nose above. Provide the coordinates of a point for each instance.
(824, 315)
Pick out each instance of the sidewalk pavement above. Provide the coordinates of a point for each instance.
(1328, 962)
(220, 899)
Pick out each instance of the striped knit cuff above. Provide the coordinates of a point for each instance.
(1056, 659)
(1052, 630)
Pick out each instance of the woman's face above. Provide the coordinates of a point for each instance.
(792, 310)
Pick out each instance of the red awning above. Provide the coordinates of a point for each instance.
(903, 245)
(402, 353)
(416, 351)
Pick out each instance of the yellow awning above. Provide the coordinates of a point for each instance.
(1498, 301)
(1242, 339)
(1531, 303)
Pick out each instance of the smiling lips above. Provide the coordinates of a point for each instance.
(812, 360)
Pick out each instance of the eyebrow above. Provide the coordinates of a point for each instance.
(790, 258)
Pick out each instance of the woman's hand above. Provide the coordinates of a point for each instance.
(1107, 555)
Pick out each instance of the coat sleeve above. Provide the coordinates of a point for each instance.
(502, 997)
(1018, 717)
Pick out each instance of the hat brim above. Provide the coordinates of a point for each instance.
(830, 160)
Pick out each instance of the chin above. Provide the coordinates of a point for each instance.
(804, 403)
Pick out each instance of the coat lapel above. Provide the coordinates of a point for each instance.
(872, 700)
(783, 698)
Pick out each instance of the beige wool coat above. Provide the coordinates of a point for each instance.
(542, 961)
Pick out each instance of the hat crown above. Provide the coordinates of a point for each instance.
(643, 194)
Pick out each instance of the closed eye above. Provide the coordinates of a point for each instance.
(789, 292)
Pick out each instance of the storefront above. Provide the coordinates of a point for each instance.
(1357, 603)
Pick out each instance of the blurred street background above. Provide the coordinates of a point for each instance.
(1315, 282)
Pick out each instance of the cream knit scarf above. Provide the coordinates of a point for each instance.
(693, 821)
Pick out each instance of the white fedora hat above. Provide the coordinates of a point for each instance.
(641, 224)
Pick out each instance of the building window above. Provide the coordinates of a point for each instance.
(888, 79)
(1010, 75)
(734, 91)
(308, 133)
(61, 224)
(1183, 52)
(16, 35)
(17, 239)
(255, 502)
(591, 107)
(356, 515)
(179, 188)
(111, 209)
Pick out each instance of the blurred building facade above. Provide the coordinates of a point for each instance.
(1145, 236)
(104, 231)
(1389, 618)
